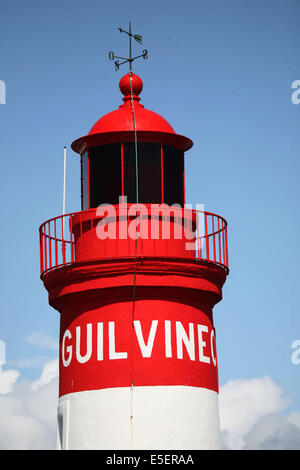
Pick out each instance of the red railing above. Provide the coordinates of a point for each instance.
(211, 238)
(62, 241)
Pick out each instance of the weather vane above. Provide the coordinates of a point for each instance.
(129, 59)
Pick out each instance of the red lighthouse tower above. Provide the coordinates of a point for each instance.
(135, 276)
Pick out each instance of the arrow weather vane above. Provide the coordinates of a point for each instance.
(129, 59)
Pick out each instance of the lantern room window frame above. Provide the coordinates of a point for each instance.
(86, 178)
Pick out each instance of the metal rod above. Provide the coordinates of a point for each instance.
(41, 252)
(226, 244)
(64, 185)
(214, 240)
(219, 233)
(130, 48)
(71, 239)
(81, 182)
(183, 182)
(63, 240)
(199, 241)
(49, 243)
(55, 237)
(223, 241)
(45, 246)
(162, 172)
(207, 238)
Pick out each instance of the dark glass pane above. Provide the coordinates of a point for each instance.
(105, 174)
(129, 171)
(149, 170)
(173, 175)
(84, 181)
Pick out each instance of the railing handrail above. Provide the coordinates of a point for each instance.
(211, 246)
(94, 209)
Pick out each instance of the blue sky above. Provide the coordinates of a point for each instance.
(221, 74)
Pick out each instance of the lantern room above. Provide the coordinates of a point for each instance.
(109, 152)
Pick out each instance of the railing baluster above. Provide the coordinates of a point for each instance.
(45, 247)
(207, 247)
(80, 223)
(41, 252)
(214, 240)
(219, 235)
(55, 243)
(49, 245)
(206, 236)
(198, 238)
(71, 239)
(226, 244)
(63, 240)
(223, 240)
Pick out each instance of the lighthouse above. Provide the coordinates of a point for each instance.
(135, 275)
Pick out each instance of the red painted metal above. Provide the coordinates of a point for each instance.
(78, 240)
(175, 140)
(118, 125)
(160, 370)
(121, 119)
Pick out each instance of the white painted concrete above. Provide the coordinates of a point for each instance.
(164, 417)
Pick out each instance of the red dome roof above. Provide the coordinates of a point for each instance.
(129, 117)
(122, 119)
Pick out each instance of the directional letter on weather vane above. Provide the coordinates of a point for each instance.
(129, 59)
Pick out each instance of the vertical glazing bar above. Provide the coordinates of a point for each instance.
(49, 243)
(206, 237)
(162, 172)
(81, 183)
(55, 241)
(214, 239)
(88, 177)
(183, 176)
(122, 170)
(80, 224)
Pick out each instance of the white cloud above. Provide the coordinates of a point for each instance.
(294, 418)
(273, 432)
(49, 372)
(28, 410)
(36, 362)
(43, 340)
(7, 379)
(250, 413)
(250, 416)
